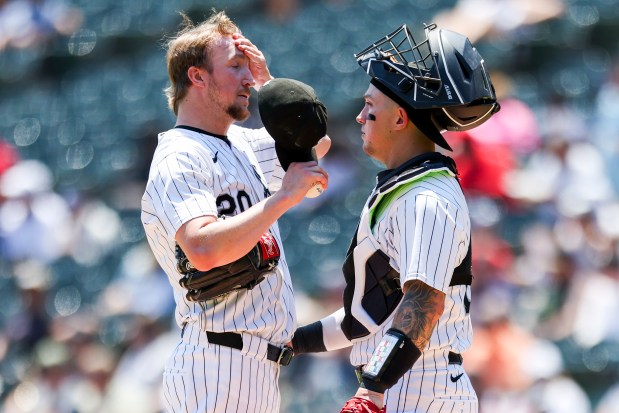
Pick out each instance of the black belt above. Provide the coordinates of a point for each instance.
(455, 358)
(276, 354)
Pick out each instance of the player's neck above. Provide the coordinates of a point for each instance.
(197, 117)
(405, 148)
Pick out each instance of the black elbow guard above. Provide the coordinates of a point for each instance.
(394, 356)
(308, 339)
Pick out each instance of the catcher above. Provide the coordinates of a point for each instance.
(408, 269)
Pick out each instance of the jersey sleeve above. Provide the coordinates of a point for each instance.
(263, 147)
(429, 237)
(182, 189)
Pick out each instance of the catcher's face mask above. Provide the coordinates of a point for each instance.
(441, 81)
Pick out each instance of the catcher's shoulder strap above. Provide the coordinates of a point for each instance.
(373, 288)
(392, 184)
(400, 181)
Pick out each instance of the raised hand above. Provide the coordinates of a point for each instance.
(257, 61)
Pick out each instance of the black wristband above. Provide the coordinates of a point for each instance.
(308, 339)
(394, 356)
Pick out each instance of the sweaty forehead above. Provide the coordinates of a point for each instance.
(224, 48)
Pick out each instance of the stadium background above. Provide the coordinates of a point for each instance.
(86, 315)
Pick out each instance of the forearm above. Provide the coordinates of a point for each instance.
(323, 335)
(209, 243)
(403, 344)
(419, 312)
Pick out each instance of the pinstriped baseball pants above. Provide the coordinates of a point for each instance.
(445, 389)
(203, 377)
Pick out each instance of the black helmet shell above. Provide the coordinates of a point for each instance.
(441, 82)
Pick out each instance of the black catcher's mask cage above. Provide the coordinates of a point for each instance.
(441, 82)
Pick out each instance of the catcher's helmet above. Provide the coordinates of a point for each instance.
(441, 82)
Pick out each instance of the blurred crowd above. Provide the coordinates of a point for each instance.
(86, 314)
(32, 23)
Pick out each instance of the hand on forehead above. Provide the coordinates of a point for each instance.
(227, 46)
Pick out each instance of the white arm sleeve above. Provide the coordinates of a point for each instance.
(333, 336)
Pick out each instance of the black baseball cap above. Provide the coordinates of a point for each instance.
(294, 116)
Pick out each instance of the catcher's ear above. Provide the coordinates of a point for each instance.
(402, 119)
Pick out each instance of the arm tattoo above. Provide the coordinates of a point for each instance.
(418, 313)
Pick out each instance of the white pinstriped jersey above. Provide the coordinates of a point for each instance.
(426, 234)
(193, 174)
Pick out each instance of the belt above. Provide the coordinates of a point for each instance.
(281, 356)
(455, 358)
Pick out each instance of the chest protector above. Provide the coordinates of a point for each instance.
(373, 289)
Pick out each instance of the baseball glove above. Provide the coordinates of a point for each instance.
(246, 272)
(361, 405)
